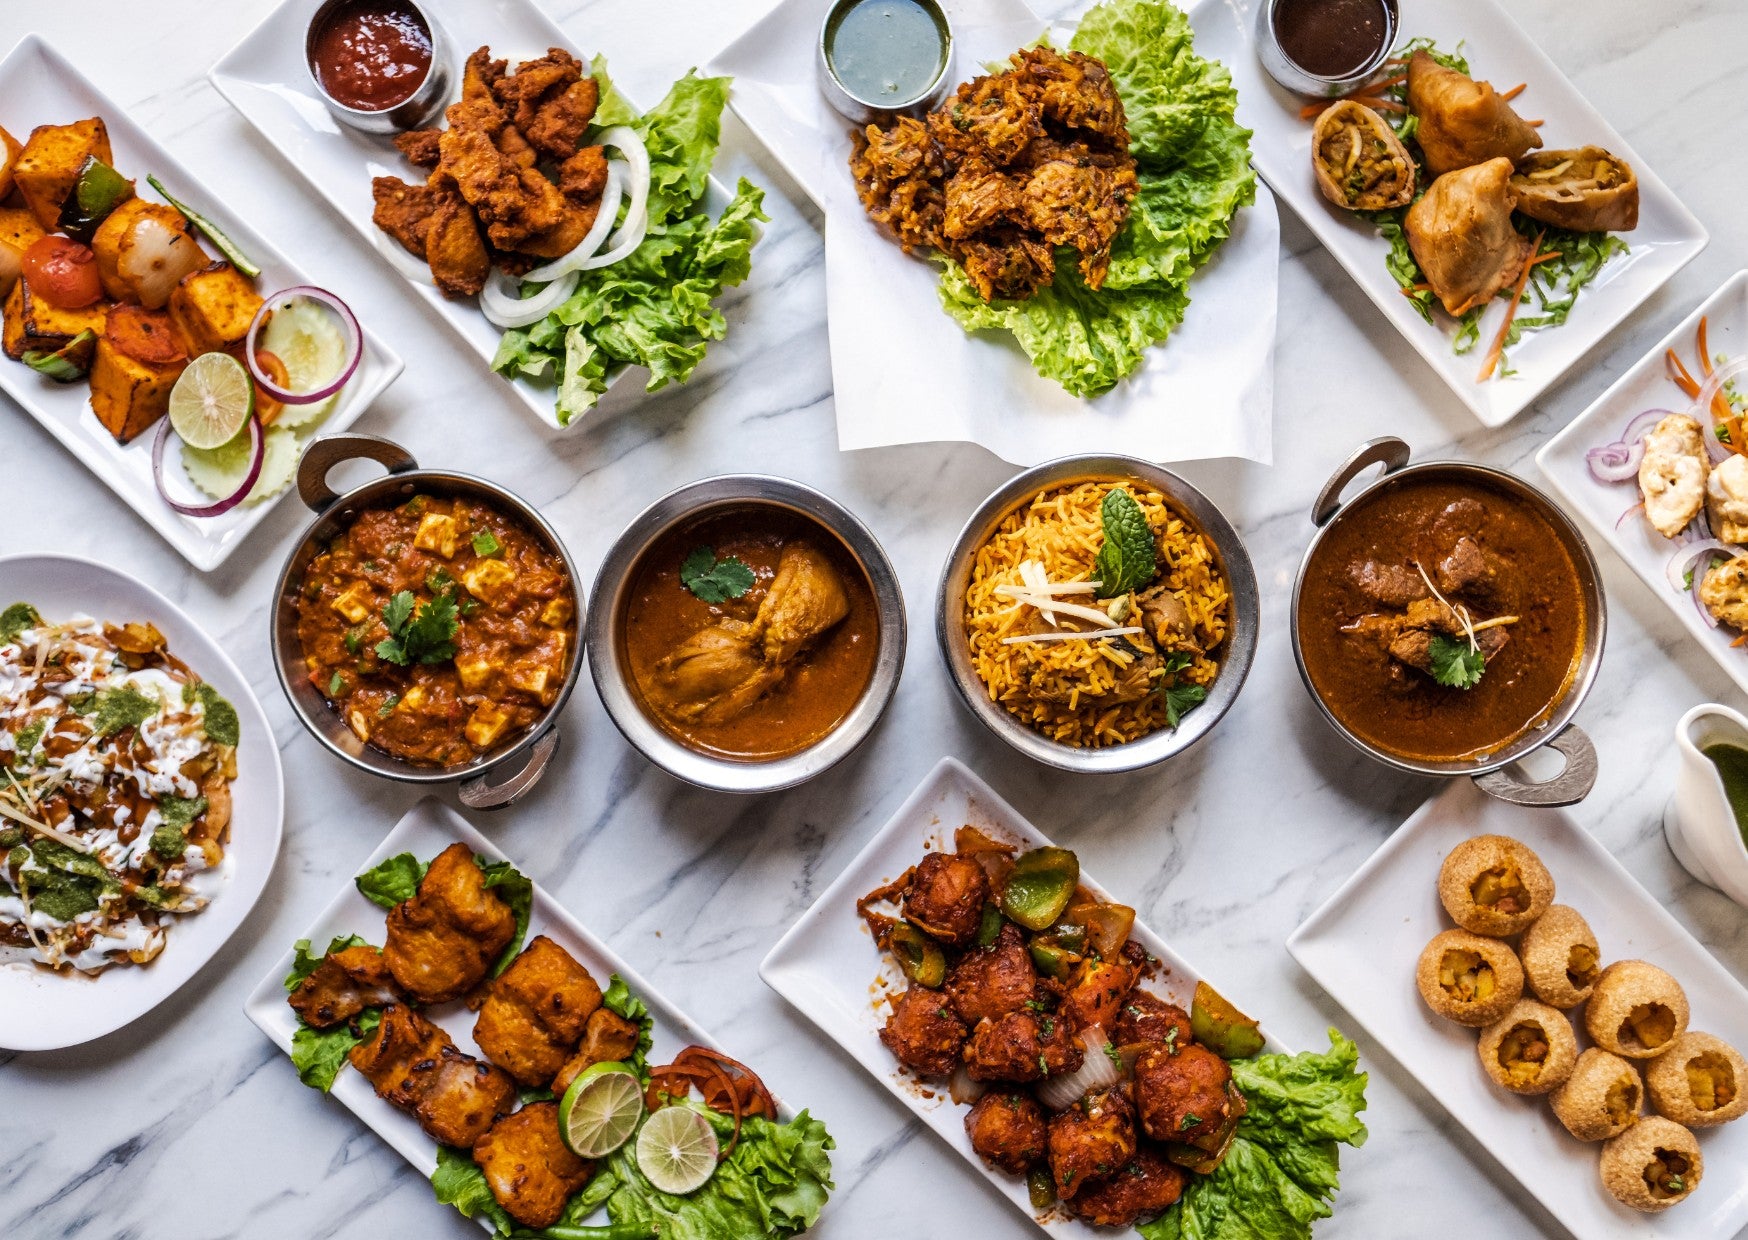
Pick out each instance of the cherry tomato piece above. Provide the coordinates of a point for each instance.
(62, 272)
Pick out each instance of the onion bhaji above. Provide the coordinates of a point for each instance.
(1014, 166)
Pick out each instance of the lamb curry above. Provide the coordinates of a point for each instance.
(749, 633)
(1441, 618)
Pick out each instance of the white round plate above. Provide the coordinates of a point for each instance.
(40, 1010)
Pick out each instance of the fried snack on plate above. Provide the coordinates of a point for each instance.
(1007, 1129)
(1139, 1189)
(535, 1012)
(607, 1038)
(1701, 1081)
(1494, 885)
(343, 985)
(1672, 473)
(529, 1168)
(1602, 1097)
(1561, 958)
(1653, 1165)
(1462, 122)
(1090, 1138)
(1462, 236)
(1360, 163)
(1637, 1010)
(1529, 1050)
(1585, 189)
(47, 168)
(413, 1065)
(443, 940)
(1468, 978)
(924, 1032)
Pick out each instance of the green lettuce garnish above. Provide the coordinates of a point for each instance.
(319, 1054)
(396, 879)
(1281, 1172)
(621, 1002)
(1194, 170)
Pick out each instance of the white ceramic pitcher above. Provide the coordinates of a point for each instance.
(1698, 822)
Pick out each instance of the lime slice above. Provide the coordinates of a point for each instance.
(306, 338)
(676, 1150)
(212, 401)
(600, 1110)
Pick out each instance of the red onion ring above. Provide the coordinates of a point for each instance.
(256, 434)
(349, 325)
(1615, 462)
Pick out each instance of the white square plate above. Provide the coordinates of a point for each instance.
(266, 78)
(828, 967)
(428, 828)
(1645, 387)
(39, 87)
(1362, 947)
(1206, 391)
(1667, 238)
(42, 1011)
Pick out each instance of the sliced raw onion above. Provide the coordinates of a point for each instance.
(962, 1089)
(630, 233)
(1615, 462)
(1637, 428)
(605, 214)
(501, 301)
(1676, 571)
(1096, 1071)
(408, 264)
(258, 451)
(348, 326)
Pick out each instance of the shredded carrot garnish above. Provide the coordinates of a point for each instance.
(1498, 349)
(1312, 111)
(1412, 289)
(1740, 638)
(1705, 354)
(1514, 92)
(1678, 374)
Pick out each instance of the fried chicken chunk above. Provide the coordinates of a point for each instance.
(1144, 1186)
(1007, 1130)
(444, 938)
(535, 1012)
(1091, 1139)
(1145, 1017)
(608, 1038)
(455, 250)
(1181, 1094)
(1022, 1046)
(342, 986)
(1099, 990)
(420, 146)
(924, 1033)
(529, 1168)
(994, 980)
(404, 211)
(413, 1065)
(946, 897)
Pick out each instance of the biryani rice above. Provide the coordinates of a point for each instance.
(1066, 689)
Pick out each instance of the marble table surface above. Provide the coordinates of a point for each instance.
(188, 1123)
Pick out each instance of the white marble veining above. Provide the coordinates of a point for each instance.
(189, 1124)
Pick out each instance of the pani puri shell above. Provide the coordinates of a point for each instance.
(1529, 1050)
(1560, 957)
(1602, 1097)
(1494, 885)
(1469, 979)
(1699, 1082)
(1636, 1011)
(1653, 1165)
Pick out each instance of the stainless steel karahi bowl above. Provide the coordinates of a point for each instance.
(607, 615)
(497, 778)
(1235, 656)
(412, 112)
(1492, 772)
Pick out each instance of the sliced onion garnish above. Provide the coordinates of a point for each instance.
(1615, 462)
(501, 301)
(349, 328)
(606, 212)
(408, 264)
(1640, 425)
(1676, 571)
(258, 453)
(1702, 403)
(625, 140)
(1096, 1071)
(962, 1089)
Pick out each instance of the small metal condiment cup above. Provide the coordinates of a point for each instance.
(412, 112)
(613, 676)
(1285, 70)
(1492, 772)
(1235, 654)
(495, 779)
(872, 111)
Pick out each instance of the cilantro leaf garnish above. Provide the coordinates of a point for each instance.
(486, 543)
(418, 634)
(1455, 663)
(1181, 699)
(714, 580)
(1129, 558)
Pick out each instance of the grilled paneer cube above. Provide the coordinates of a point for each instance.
(139, 358)
(214, 307)
(535, 1012)
(48, 167)
(18, 232)
(31, 323)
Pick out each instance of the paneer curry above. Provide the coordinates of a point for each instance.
(780, 658)
(439, 628)
(1441, 618)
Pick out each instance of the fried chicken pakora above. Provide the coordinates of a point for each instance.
(535, 1012)
(1013, 167)
(413, 1065)
(443, 939)
(528, 1167)
(343, 985)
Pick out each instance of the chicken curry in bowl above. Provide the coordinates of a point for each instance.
(749, 633)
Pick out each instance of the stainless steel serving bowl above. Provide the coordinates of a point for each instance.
(412, 112)
(1285, 70)
(1235, 655)
(607, 616)
(854, 107)
(1492, 773)
(496, 778)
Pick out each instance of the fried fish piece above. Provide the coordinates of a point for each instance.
(453, 246)
(583, 177)
(530, 1170)
(343, 985)
(535, 81)
(404, 211)
(1462, 236)
(535, 1012)
(1462, 122)
(558, 123)
(481, 73)
(608, 1038)
(413, 1065)
(443, 939)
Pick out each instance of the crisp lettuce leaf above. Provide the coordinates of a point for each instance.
(388, 883)
(459, 1182)
(319, 1054)
(1281, 1172)
(515, 889)
(622, 1002)
(681, 134)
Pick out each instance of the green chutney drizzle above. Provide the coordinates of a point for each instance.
(1732, 763)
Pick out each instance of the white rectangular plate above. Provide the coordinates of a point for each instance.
(266, 78)
(828, 967)
(1667, 238)
(427, 830)
(1206, 391)
(1644, 387)
(42, 1011)
(38, 86)
(1362, 947)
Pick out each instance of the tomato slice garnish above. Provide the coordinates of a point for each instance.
(63, 273)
